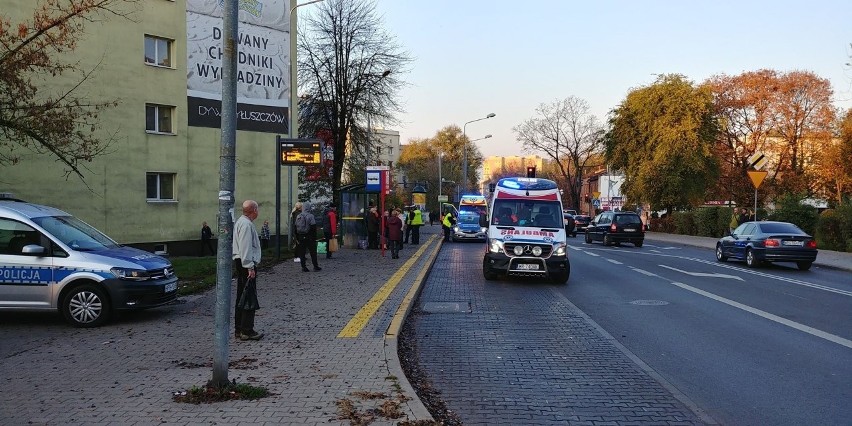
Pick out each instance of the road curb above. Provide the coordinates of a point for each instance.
(415, 405)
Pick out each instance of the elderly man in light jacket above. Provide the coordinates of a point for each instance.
(246, 256)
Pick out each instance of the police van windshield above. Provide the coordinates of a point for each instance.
(75, 233)
(545, 214)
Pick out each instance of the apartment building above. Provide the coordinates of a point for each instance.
(159, 179)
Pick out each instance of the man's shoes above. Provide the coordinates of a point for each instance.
(251, 336)
(304, 269)
(317, 268)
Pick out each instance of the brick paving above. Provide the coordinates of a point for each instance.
(523, 354)
(127, 371)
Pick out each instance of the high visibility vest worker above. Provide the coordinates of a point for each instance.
(446, 222)
(418, 217)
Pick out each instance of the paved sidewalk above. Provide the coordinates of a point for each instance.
(126, 372)
(828, 258)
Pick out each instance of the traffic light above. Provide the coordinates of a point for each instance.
(530, 171)
(490, 187)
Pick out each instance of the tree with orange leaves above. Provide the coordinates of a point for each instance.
(786, 116)
(62, 123)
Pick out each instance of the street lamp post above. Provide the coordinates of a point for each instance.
(369, 126)
(464, 147)
(440, 179)
(484, 137)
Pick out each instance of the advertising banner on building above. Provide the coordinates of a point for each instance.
(263, 56)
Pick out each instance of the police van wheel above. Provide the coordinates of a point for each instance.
(86, 306)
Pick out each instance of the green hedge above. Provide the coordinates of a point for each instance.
(832, 229)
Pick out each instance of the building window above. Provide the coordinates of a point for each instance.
(158, 118)
(160, 186)
(158, 51)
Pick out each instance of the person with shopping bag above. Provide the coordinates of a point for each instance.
(246, 256)
(329, 229)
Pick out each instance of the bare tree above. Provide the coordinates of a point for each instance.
(63, 123)
(568, 134)
(350, 69)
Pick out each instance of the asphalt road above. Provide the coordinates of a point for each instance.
(713, 342)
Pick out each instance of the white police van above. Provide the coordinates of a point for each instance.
(50, 260)
(526, 236)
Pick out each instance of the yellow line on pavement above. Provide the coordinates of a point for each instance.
(360, 320)
(396, 322)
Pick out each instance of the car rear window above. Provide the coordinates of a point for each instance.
(624, 219)
(780, 228)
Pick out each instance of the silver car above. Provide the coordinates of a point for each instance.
(50, 260)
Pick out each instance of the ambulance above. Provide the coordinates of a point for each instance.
(526, 236)
(471, 220)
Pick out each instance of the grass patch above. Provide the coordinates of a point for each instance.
(198, 274)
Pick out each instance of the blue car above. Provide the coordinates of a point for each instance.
(758, 242)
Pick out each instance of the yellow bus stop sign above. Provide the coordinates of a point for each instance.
(757, 177)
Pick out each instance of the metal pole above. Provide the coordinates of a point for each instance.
(227, 163)
(369, 131)
(755, 204)
(278, 198)
(440, 179)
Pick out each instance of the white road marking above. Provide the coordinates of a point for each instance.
(644, 272)
(593, 254)
(752, 272)
(704, 274)
(655, 251)
(792, 324)
(614, 261)
(671, 248)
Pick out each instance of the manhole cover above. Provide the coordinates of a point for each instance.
(649, 302)
(446, 307)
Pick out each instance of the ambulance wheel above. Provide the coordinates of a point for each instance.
(489, 274)
(560, 277)
(86, 305)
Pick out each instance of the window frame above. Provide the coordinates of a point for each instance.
(159, 187)
(169, 49)
(157, 118)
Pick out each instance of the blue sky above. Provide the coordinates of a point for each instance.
(474, 57)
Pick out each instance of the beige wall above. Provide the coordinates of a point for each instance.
(113, 196)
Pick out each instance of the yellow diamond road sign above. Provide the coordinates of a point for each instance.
(757, 160)
(757, 177)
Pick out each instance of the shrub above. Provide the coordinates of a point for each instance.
(829, 231)
(684, 223)
(790, 209)
(707, 222)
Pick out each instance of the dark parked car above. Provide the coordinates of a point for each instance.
(757, 242)
(616, 228)
(570, 226)
(582, 222)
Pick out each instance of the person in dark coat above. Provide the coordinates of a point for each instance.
(393, 230)
(373, 223)
(206, 239)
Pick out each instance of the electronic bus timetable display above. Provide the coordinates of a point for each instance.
(300, 152)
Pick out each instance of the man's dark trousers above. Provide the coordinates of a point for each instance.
(408, 232)
(243, 320)
(415, 233)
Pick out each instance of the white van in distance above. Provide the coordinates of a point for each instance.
(526, 236)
